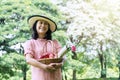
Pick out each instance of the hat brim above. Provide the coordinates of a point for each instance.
(34, 18)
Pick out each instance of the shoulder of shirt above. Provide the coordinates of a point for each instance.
(55, 41)
(30, 40)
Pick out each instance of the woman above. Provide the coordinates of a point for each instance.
(42, 46)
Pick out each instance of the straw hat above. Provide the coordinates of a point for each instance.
(32, 19)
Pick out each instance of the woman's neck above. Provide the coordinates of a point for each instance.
(41, 36)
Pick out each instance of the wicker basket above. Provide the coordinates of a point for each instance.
(48, 60)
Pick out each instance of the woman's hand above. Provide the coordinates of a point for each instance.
(57, 65)
(50, 67)
(53, 66)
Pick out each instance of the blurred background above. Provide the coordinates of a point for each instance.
(97, 21)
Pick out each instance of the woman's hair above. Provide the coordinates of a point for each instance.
(35, 34)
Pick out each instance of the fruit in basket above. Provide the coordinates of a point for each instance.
(47, 55)
(48, 60)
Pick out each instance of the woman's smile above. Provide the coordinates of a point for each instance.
(42, 27)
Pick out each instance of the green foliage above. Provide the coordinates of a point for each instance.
(14, 26)
(60, 36)
(14, 30)
(46, 6)
(98, 23)
(99, 26)
(100, 79)
(11, 64)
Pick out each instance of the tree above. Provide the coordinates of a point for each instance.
(99, 26)
(14, 31)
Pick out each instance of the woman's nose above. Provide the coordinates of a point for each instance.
(42, 24)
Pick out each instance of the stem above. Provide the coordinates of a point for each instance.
(62, 52)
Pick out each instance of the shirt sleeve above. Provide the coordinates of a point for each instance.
(28, 48)
(57, 46)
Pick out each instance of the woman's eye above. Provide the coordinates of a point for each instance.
(41, 22)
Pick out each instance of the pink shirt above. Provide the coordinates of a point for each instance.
(37, 48)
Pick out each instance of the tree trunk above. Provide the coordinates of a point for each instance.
(119, 70)
(74, 70)
(24, 76)
(103, 70)
(64, 77)
(105, 67)
(74, 74)
(24, 70)
(102, 58)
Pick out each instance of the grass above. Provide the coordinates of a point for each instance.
(100, 79)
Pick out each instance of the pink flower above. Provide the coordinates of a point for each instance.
(73, 48)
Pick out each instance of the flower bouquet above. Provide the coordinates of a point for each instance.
(71, 44)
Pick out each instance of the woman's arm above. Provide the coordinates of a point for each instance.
(62, 52)
(30, 60)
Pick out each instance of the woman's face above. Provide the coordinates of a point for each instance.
(42, 27)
